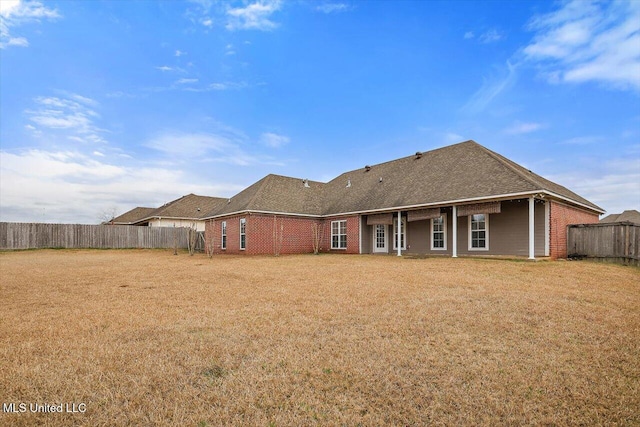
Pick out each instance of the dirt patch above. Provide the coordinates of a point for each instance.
(145, 337)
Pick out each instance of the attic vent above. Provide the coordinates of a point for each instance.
(380, 179)
(228, 201)
(348, 183)
(305, 182)
(198, 209)
(418, 154)
(367, 168)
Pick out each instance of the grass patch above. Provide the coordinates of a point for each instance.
(147, 338)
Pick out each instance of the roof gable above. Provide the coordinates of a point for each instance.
(132, 216)
(190, 206)
(631, 215)
(277, 193)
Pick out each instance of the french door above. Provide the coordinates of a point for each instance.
(380, 238)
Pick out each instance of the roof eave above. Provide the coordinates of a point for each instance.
(466, 200)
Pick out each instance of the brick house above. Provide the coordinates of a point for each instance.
(186, 211)
(458, 200)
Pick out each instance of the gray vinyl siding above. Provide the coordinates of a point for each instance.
(508, 233)
(367, 236)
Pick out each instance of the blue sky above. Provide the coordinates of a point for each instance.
(108, 105)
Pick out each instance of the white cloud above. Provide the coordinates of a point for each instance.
(491, 88)
(186, 81)
(165, 68)
(68, 115)
(255, 16)
(469, 35)
(520, 128)
(274, 140)
(613, 185)
(333, 7)
(490, 36)
(180, 53)
(583, 140)
(14, 13)
(66, 186)
(589, 41)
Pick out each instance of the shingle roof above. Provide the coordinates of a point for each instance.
(276, 193)
(458, 172)
(190, 206)
(132, 216)
(632, 216)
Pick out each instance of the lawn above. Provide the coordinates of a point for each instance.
(147, 338)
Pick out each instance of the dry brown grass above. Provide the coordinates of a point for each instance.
(147, 338)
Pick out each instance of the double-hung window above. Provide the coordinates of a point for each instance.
(223, 232)
(243, 233)
(403, 232)
(478, 232)
(339, 234)
(439, 233)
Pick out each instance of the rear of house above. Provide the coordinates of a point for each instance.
(458, 200)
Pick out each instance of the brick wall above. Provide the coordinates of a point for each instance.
(268, 234)
(353, 235)
(560, 216)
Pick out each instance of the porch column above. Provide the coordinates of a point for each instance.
(532, 246)
(399, 230)
(454, 220)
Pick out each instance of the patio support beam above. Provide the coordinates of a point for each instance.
(399, 230)
(532, 246)
(454, 220)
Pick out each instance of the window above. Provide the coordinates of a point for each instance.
(224, 235)
(439, 233)
(339, 234)
(243, 233)
(403, 232)
(478, 232)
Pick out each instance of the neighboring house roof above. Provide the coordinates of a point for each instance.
(132, 216)
(632, 216)
(277, 194)
(190, 206)
(459, 173)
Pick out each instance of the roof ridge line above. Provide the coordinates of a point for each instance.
(403, 158)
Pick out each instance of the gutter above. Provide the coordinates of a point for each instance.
(408, 207)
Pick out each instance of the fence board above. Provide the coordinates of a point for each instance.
(617, 242)
(40, 236)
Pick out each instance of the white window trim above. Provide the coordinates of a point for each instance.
(395, 239)
(223, 235)
(243, 221)
(444, 232)
(344, 229)
(486, 234)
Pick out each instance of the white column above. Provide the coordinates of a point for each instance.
(360, 234)
(532, 246)
(454, 253)
(547, 240)
(399, 230)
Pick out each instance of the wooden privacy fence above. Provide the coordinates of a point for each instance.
(616, 242)
(38, 235)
